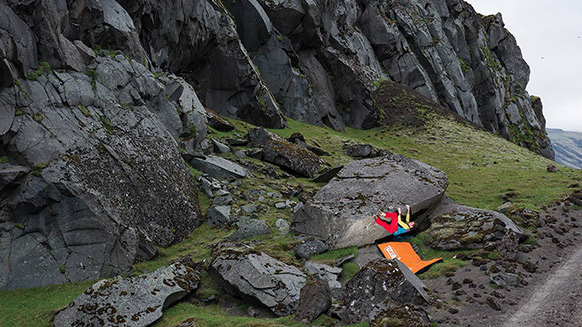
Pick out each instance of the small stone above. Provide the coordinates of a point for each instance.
(467, 281)
(551, 169)
(240, 154)
(456, 286)
(249, 208)
(282, 225)
(453, 311)
(310, 248)
(221, 193)
(280, 205)
(529, 266)
(222, 200)
(218, 215)
(493, 304)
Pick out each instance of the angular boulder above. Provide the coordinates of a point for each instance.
(315, 299)
(379, 281)
(249, 228)
(135, 301)
(395, 314)
(250, 274)
(340, 213)
(285, 154)
(218, 167)
(457, 227)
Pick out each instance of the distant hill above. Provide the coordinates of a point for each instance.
(568, 147)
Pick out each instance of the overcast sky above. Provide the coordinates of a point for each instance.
(549, 34)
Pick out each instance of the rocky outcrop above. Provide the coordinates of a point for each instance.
(323, 61)
(136, 301)
(249, 274)
(99, 148)
(457, 227)
(340, 213)
(380, 284)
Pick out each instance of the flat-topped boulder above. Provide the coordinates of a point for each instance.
(457, 227)
(218, 167)
(136, 301)
(341, 212)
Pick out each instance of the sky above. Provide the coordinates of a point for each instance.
(549, 34)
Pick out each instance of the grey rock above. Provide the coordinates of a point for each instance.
(218, 167)
(360, 150)
(314, 300)
(327, 174)
(412, 314)
(379, 281)
(136, 301)
(248, 228)
(221, 147)
(240, 154)
(218, 123)
(285, 154)
(282, 225)
(247, 273)
(93, 160)
(221, 193)
(505, 280)
(219, 215)
(222, 200)
(9, 173)
(340, 213)
(280, 205)
(325, 272)
(310, 248)
(249, 208)
(455, 227)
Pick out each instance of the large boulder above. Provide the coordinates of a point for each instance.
(244, 272)
(402, 315)
(315, 299)
(285, 154)
(340, 213)
(136, 301)
(379, 284)
(100, 148)
(457, 227)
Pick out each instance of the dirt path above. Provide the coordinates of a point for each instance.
(558, 301)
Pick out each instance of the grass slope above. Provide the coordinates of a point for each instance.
(482, 168)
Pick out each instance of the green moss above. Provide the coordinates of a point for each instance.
(336, 254)
(84, 110)
(449, 264)
(19, 112)
(464, 65)
(37, 170)
(43, 69)
(262, 103)
(349, 270)
(38, 117)
(4, 160)
(91, 73)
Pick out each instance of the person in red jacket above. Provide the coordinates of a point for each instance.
(392, 222)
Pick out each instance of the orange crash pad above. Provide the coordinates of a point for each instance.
(404, 252)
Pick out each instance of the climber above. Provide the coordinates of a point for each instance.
(393, 223)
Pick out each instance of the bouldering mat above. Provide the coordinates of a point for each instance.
(404, 252)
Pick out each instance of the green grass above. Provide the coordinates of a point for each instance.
(35, 306)
(336, 254)
(349, 270)
(215, 316)
(449, 264)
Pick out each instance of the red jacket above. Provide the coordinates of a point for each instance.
(391, 227)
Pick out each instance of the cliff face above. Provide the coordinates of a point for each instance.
(337, 51)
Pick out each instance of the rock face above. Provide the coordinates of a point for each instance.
(456, 227)
(340, 213)
(136, 301)
(98, 138)
(244, 272)
(379, 284)
(321, 62)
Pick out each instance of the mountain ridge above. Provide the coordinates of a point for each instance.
(567, 146)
